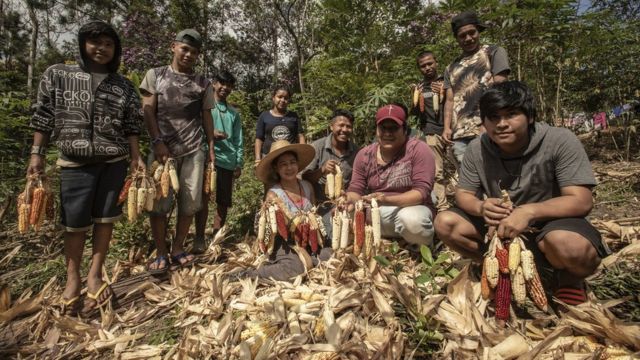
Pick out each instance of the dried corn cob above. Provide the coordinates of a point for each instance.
(375, 222)
(157, 174)
(313, 239)
(415, 96)
(43, 211)
(536, 292)
(358, 228)
(344, 230)
(262, 227)
(518, 286)
(206, 181)
(338, 182)
(151, 195)
(323, 230)
(503, 297)
(132, 212)
(125, 190)
(154, 166)
(490, 267)
(436, 102)
(484, 284)
(336, 226)
(212, 183)
(503, 260)
(37, 204)
(281, 223)
(368, 242)
(514, 255)
(165, 182)
(305, 233)
(329, 186)
(23, 218)
(273, 223)
(421, 103)
(173, 175)
(141, 198)
(528, 264)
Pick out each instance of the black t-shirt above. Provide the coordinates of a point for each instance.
(273, 128)
(430, 122)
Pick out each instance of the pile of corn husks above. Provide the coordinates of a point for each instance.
(342, 309)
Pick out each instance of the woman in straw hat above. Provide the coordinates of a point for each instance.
(279, 168)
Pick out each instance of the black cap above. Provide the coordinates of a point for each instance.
(466, 18)
(190, 37)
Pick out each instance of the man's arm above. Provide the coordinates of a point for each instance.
(301, 139)
(408, 198)
(149, 108)
(502, 77)
(574, 201)
(448, 115)
(207, 124)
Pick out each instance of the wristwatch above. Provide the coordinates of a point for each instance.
(38, 150)
(157, 140)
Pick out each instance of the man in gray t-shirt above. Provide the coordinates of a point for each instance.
(548, 177)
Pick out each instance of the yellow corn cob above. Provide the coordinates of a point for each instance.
(484, 285)
(261, 329)
(141, 199)
(329, 186)
(344, 230)
(43, 211)
(375, 222)
(23, 218)
(173, 175)
(514, 256)
(416, 96)
(491, 264)
(154, 166)
(336, 226)
(151, 195)
(273, 223)
(262, 225)
(212, 181)
(436, 102)
(37, 203)
(368, 242)
(165, 182)
(338, 182)
(157, 174)
(528, 264)
(518, 287)
(132, 212)
(536, 291)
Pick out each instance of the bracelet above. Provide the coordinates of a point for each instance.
(38, 150)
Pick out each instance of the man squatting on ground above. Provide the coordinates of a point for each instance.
(173, 98)
(229, 153)
(92, 113)
(332, 151)
(398, 172)
(431, 120)
(549, 179)
(466, 79)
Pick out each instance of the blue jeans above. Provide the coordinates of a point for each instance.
(412, 223)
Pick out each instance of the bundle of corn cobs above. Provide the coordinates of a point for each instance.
(305, 228)
(140, 193)
(418, 99)
(510, 269)
(366, 238)
(34, 203)
(209, 182)
(166, 175)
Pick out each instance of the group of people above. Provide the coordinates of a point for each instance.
(95, 117)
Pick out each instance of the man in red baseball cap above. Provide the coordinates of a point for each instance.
(398, 172)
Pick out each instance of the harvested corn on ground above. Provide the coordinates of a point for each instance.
(343, 309)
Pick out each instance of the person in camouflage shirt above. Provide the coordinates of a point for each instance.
(466, 79)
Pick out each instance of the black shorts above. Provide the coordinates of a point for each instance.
(89, 194)
(577, 225)
(224, 186)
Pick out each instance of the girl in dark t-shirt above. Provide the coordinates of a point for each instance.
(277, 124)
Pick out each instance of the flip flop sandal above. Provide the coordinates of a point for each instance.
(159, 270)
(70, 307)
(97, 294)
(176, 260)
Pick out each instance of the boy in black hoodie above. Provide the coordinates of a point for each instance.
(549, 179)
(92, 114)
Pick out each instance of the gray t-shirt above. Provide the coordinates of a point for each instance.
(180, 105)
(555, 158)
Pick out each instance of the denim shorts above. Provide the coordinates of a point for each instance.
(89, 194)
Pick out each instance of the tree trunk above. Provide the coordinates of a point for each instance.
(32, 46)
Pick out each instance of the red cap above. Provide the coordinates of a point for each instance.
(392, 112)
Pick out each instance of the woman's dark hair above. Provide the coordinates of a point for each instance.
(508, 95)
(280, 88)
(342, 112)
(225, 77)
(95, 29)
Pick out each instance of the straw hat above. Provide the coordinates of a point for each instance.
(304, 152)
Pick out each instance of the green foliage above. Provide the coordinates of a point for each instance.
(434, 268)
